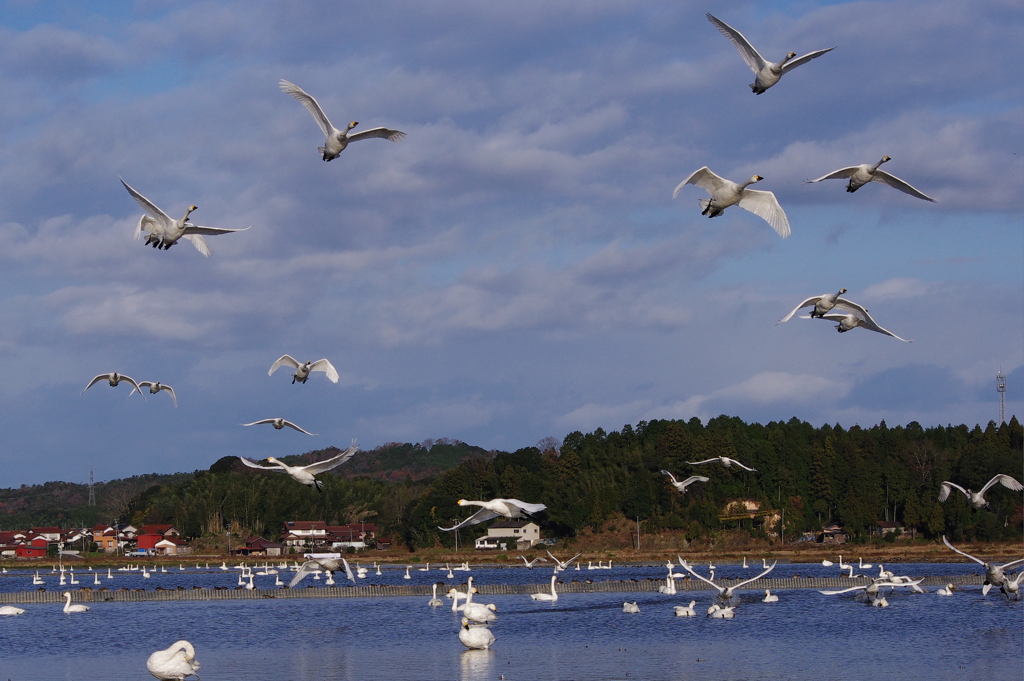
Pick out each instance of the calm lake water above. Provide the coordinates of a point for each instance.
(581, 636)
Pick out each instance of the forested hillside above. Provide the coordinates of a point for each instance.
(855, 477)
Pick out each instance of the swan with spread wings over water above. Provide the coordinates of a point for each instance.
(337, 140)
(506, 508)
(305, 474)
(995, 575)
(164, 231)
(330, 565)
(864, 173)
(724, 593)
(725, 193)
(766, 73)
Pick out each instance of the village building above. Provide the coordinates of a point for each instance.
(258, 546)
(519, 534)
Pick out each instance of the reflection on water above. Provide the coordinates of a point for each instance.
(477, 665)
(805, 636)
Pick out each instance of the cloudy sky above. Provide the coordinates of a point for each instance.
(516, 268)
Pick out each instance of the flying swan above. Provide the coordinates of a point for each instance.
(278, 424)
(175, 663)
(154, 388)
(766, 73)
(995, 575)
(681, 486)
(725, 461)
(337, 140)
(531, 563)
(559, 565)
(977, 499)
(302, 371)
(507, 508)
(725, 193)
(865, 172)
(330, 565)
(113, 379)
(857, 315)
(822, 304)
(724, 593)
(165, 232)
(304, 474)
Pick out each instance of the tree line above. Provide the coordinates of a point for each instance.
(854, 477)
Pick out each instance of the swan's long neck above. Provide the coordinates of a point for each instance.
(876, 166)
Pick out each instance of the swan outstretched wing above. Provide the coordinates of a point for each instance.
(842, 591)
(699, 576)
(148, 206)
(348, 571)
(946, 487)
(199, 242)
(529, 509)
(865, 322)
(306, 568)
(703, 178)
(326, 367)
(698, 463)
(146, 224)
(148, 384)
(770, 568)
(692, 479)
(1005, 481)
(333, 462)
(956, 550)
(800, 61)
(896, 183)
(671, 477)
(284, 361)
(311, 105)
(483, 515)
(813, 300)
(383, 133)
(296, 427)
(1012, 564)
(734, 461)
(765, 206)
(211, 231)
(840, 174)
(101, 377)
(253, 464)
(754, 60)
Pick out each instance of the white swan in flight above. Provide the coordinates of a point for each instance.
(305, 474)
(724, 593)
(302, 371)
(531, 563)
(77, 607)
(506, 508)
(631, 608)
(864, 173)
(477, 637)
(337, 140)
(766, 73)
(769, 597)
(822, 304)
(857, 315)
(113, 379)
(681, 486)
(10, 610)
(154, 388)
(872, 590)
(175, 663)
(995, 575)
(685, 610)
(330, 565)
(977, 499)
(543, 596)
(278, 424)
(725, 193)
(1011, 587)
(165, 232)
(725, 461)
(559, 565)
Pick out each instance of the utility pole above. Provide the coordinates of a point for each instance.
(1001, 389)
(638, 534)
(92, 492)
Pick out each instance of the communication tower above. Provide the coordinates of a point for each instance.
(1001, 389)
(92, 492)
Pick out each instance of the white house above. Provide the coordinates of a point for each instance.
(521, 533)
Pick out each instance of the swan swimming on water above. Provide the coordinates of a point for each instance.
(175, 663)
(947, 591)
(632, 608)
(725, 193)
(477, 637)
(866, 172)
(550, 597)
(77, 607)
(766, 73)
(10, 610)
(685, 610)
(305, 474)
(769, 597)
(434, 602)
(337, 140)
(477, 612)
(718, 612)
